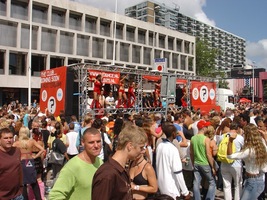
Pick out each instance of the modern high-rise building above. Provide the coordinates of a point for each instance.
(66, 32)
(232, 47)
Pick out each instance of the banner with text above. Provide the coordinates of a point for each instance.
(53, 87)
(107, 77)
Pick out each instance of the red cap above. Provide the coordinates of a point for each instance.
(202, 123)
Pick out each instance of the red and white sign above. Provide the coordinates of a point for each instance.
(107, 77)
(53, 87)
(203, 95)
(160, 64)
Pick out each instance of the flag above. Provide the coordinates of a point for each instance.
(239, 84)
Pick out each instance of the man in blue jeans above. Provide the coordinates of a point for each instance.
(202, 161)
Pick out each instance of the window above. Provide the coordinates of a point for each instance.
(130, 33)
(39, 14)
(142, 36)
(119, 31)
(162, 41)
(147, 53)
(105, 28)
(25, 34)
(38, 64)
(124, 52)
(136, 54)
(186, 47)
(179, 45)
(58, 18)
(48, 41)
(66, 42)
(8, 31)
(3, 7)
(73, 61)
(17, 64)
(170, 43)
(90, 24)
(190, 64)
(110, 44)
(98, 45)
(56, 62)
(19, 10)
(2, 62)
(175, 61)
(183, 62)
(82, 45)
(75, 22)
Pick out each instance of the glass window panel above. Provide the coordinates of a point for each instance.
(190, 64)
(8, 34)
(56, 62)
(142, 36)
(167, 55)
(105, 28)
(38, 64)
(3, 7)
(175, 61)
(73, 61)
(170, 43)
(147, 53)
(66, 42)
(110, 44)
(82, 45)
(151, 36)
(136, 54)
(186, 47)
(58, 18)
(2, 62)
(39, 14)
(130, 33)
(98, 45)
(162, 41)
(157, 54)
(179, 45)
(19, 10)
(48, 42)
(183, 59)
(124, 52)
(75, 22)
(119, 31)
(17, 64)
(90, 24)
(25, 34)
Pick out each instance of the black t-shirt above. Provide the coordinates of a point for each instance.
(45, 134)
(59, 146)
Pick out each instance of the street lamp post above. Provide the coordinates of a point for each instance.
(253, 82)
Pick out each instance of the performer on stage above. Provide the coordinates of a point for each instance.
(122, 98)
(184, 97)
(97, 91)
(157, 94)
(131, 94)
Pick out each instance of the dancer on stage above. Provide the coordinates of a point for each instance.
(97, 91)
(157, 94)
(131, 94)
(184, 97)
(122, 98)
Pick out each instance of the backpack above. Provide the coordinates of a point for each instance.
(222, 150)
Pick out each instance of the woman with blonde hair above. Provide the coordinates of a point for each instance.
(26, 146)
(254, 154)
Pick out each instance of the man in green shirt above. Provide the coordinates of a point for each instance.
(75, 179)
(202, 161)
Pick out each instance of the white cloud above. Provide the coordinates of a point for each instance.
(257, 52)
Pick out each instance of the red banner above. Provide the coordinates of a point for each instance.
(156, 78)
(53, 87)
(203, 95)
(107, 77)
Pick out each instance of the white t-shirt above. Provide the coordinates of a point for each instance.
(107, 140)
(110, 101)
(169, 170)
(72, 139)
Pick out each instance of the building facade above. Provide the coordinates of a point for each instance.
(232, 47)
(66, 32)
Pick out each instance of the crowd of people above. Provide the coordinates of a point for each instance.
(135, 155)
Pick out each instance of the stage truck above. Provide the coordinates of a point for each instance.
(69, 88)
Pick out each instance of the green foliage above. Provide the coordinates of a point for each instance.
(205, 59)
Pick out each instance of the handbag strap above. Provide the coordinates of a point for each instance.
(103, 139)
(80, 136)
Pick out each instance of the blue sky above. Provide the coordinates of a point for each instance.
(244, 18)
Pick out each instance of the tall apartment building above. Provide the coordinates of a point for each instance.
(232, 47)
(66, 32)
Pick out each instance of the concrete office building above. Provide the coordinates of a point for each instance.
(232, 47)
(66, 32)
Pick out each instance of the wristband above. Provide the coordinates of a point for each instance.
(136, 187)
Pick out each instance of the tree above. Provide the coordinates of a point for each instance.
(205, 59)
